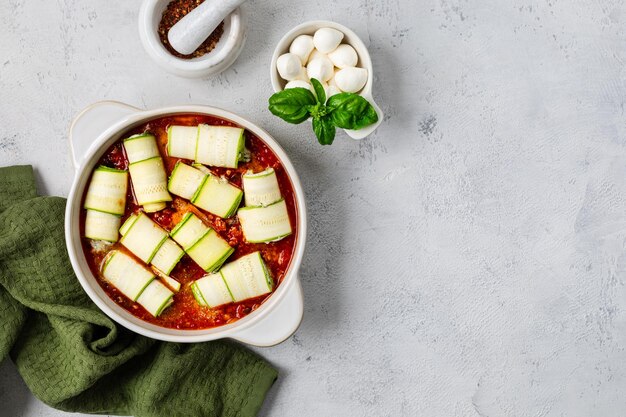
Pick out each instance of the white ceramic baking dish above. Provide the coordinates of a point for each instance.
(91, 133)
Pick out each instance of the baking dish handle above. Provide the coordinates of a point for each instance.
(281, 323)
(91, 122)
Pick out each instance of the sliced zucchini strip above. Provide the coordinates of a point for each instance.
(127, 275)
(210, 251)
(202, 168)
(218, 196)
(102, 226)
(261, 189)
(185, 181)
(147, 172)
(212, 290)
(144, 238)
(107, 190)
(247, 277)
(197, 295)
(149, 181)
(189, 230)
(129, 222)
(154, 207)
(181, 141)
(265, 224)
(203, 244)
(171, 282)
(219, 146)
(168, 255)
(141, 147)
(156, 298)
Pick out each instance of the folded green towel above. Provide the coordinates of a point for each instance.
(75, 358)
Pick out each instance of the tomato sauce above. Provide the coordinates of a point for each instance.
(185, 312)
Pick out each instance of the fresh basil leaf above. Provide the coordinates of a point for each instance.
(318, 111)
(291, 104)
(351, 111)
(324, 130)
(319, 91)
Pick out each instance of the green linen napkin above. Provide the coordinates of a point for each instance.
(74, 358)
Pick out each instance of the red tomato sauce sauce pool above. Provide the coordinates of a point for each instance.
(185, 312)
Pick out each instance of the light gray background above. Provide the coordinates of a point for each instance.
(467, 259)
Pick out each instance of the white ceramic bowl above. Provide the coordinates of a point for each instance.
(91, 133)
(351, 38)
(225, 53)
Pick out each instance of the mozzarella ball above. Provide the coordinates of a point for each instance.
(351, 79)
(303, 75)
(302, 46)
(327, 39)
(344, 56)
(332, 82)
(298, 83)
(321, 69)
(332, 90)
(332, 86)
(316, 54)
(289, 66)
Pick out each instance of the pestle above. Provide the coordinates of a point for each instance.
(193, 29)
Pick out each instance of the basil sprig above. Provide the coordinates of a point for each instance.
(344, 110)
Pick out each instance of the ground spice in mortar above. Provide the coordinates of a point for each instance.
(175, 11)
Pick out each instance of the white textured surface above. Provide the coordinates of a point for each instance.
(467, 259)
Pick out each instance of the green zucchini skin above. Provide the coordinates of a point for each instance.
(218, 197)
(167, 256)
(182, 141)
(147, 171)
(219, 146)
(141, 147)
(244, 278)
(211, 291)
(203, 244)
(265, 224)
(128, 223)
(102, 226)
(108, 169)
(136, 282)
(181, 223)
(154, 207)
(198, 295)
(107, 191)
(261, 189)
(189, 231)
(210, 251)
(149, 181)
(185, 181)
(233, 209)
(144, 238)
(126, 274)
(155, 298)
(247, 277)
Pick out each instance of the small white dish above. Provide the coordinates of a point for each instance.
(225, 53)
(351, 38)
